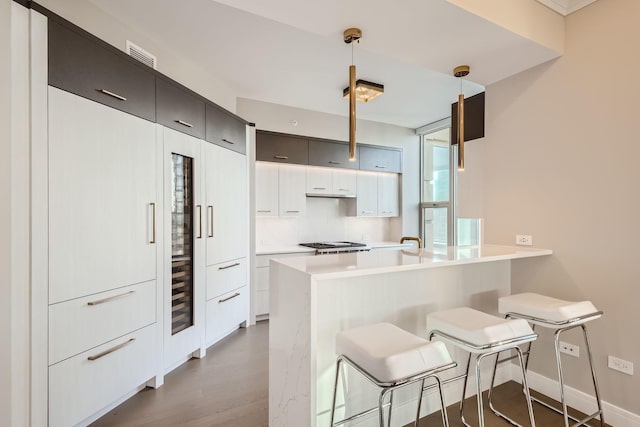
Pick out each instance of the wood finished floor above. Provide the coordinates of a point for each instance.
(229, 388)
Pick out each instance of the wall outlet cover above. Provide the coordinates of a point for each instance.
(524, 239)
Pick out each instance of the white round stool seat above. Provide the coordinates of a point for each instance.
(389, 353)
(483, 331)
(547, 311)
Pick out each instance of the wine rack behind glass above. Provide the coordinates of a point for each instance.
(181, 243)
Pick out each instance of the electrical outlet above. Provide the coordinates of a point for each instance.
(524, 239)
(570, 349)
(623, 366)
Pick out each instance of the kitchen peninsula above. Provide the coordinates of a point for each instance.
(312, 298)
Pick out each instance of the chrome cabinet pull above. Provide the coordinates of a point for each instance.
(210, 211)
(319, 188)
(183, 123)
(281, 157)
(228, 298)
(235, 264)
(331, 162)
(102, 301)
(228, 142)
(343, 189)
(153, 223)
(199, 221)
(263, 211)
(113, 95)
(111, 350)
(381, 167)
(292, 211)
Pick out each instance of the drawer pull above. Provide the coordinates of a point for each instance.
(292, 211)
(228, 298)
(263, 211)
(319, 188)
(235, 264)
(113, 95)
(111, 350)
(228, 142)
(281, 157)
(381, 167)
(343, 189)
(210, 211)
(331, 162)
(189, 125)
(153, 223)
(102, 301)
(199, 221)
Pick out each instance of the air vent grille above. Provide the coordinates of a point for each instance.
(142, 55)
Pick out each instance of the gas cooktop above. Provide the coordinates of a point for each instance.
(336, 247)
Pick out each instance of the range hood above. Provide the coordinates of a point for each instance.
(332, 195)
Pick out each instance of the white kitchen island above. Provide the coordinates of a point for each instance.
(312, 298)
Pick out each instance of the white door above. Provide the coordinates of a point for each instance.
(367, 194)
(103, 197)
(345, 182)
(388, 196)
(185, 229)
(319, 181)
(266, 189)
(226, 204)
(292, 190)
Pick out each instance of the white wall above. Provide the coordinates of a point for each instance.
(326, 216)
(92, 19)
(5, 213)
(560, 162)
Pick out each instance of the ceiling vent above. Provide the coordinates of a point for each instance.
(142, 55)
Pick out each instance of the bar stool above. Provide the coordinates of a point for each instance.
(483, 335)
(561, 316)
(390, 358)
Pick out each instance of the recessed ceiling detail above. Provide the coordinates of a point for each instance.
(566, 7)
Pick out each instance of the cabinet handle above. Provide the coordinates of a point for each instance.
(228, 298)
(228, 142)
(113, 95)
(210, 210)
(381, 167)
(189, 125)
(111, 350)
(235, 264)
(153, 223)
(319, 188)
(281, 157)
(199, 221)
(102, 301)
(292, 211)
(263, 211)
(331, 162)
(343, 189)
(367, 212)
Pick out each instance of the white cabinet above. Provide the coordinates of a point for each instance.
(225, 313)
(103, 198)
(266, 189)
(227, 213)
(367, 194)
(331, 182)
(292, 198)
(388, 195)
(262, 270)
(280, 190)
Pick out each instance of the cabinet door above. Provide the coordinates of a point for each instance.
(367, 194)
(345, 182)
(272, 147)
(102, 198)
(292, 186)
(319, 181)
(266, 189)
(330, 154)
(178, 109)
(227, 213)
(388, 197)
(225, 130)
(380, 159)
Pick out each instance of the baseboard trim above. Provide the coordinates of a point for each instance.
(583, 402)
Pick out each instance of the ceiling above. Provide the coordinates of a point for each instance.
(291, 52)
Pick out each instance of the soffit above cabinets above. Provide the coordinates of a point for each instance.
(291, 52)
(566, 7)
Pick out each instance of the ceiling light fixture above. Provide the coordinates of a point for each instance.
(352, 35)
(460, 72)
(365, 91)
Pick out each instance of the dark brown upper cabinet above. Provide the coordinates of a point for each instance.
(179, 109)
(380, 159)
(273, 147)
(225, 130)
(79, 65)
(330, 154)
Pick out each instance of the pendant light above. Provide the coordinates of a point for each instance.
(460, 72)
(352, 35)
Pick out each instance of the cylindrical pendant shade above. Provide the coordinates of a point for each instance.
(461, 132)
(352, 113)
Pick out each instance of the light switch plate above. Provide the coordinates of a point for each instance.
(524, 239)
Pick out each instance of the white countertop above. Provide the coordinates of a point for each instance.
(294, 249)
(375, 262)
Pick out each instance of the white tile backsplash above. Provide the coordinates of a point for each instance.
(325, 220)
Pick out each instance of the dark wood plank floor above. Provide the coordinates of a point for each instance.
(229, 388)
